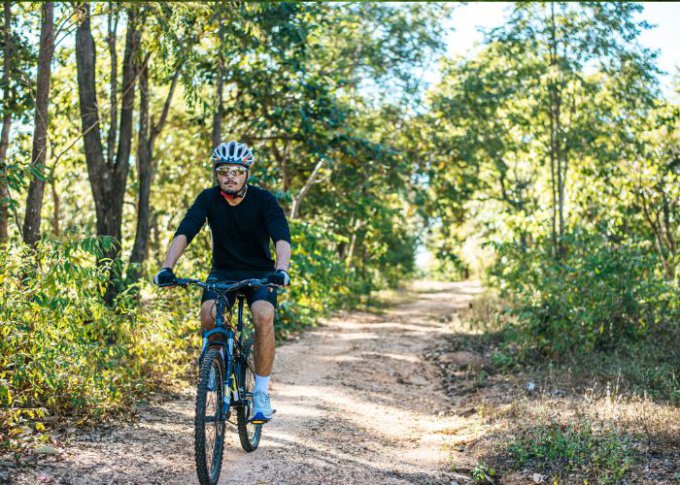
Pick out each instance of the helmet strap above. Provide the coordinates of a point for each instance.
(241, 194)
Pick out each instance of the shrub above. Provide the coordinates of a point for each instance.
(63, 353)
(595, 296)
(321, 280)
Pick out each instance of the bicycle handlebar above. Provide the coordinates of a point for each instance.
(226, 286)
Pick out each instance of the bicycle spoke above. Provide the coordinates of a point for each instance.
(210, 422)
(249, 433)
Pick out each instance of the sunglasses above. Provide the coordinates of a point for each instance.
(233, 172)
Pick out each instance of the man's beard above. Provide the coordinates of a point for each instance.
(233, 191)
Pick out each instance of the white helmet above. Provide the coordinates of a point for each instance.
(233, 152)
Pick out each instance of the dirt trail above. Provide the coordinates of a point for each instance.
(356, 403)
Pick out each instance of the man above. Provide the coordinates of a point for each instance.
(242, 219)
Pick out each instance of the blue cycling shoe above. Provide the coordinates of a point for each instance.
(262, 408)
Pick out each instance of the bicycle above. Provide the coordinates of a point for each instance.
(225, 382)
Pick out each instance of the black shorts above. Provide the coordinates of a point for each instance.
(252, 294)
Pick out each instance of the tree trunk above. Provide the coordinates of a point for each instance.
(656, 226)
(56, 210)
(144, 175)
(113, 96)
(107, 180)
(6, 120)
(668, 228)
(282, 161)
(554, 134)
(561, 170)
(217, 115)
(355, 227)
(553, 181)
(36, 188)
(295, 209)
(146, 170)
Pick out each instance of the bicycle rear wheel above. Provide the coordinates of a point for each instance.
(248, 433)
(210, 420)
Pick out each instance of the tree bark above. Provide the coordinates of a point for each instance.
(554, 135)
(113, 96)
(355, 227)
(295, 209)
(282, 161)
(561, 170)
(56, 210)
(34, 201)
(219, 95)
(217, 115)
(146, 170)
(553, 181)
(107, 180)
(6, 120)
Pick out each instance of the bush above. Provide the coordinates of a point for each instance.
(63, 353)
(321, 280)
(594, 297)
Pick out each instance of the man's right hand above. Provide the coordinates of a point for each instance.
(165, 277)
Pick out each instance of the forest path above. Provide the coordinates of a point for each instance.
(356, 402)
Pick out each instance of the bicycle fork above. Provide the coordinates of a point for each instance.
(229, 381)
(229, 384)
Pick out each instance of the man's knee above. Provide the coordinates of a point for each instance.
(263, 313)
(208, 312)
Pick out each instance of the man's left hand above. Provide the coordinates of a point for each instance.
(280, 277)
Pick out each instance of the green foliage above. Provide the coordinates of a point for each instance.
(600, 294)
(334, 84)
(564, 450)
(481, 473)
(553, 152)
(321, 280)
(63, 353)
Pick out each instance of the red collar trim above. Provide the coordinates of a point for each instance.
(226, 196)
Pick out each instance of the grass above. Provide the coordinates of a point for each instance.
(602, 417)
(561, 450)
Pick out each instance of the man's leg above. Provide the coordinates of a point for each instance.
(209, 316)
(263, 318)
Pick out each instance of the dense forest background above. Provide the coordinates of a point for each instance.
(547, 163)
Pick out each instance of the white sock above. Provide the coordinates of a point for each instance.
(261, 384)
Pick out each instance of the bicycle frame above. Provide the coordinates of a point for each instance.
(228, 332)
(227, 344)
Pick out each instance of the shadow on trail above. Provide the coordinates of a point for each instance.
(341, 457)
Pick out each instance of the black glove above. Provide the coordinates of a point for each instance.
(280, 277)
(165, 277)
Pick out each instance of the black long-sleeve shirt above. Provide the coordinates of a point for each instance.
(241, 233)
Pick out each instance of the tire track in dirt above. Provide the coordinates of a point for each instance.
(356, 403)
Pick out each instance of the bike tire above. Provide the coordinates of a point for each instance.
(210, 421)
(249, 434)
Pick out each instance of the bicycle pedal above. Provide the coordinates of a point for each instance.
(261, 420)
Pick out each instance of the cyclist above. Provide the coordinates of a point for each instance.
(242, 220)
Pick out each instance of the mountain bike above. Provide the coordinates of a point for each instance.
(226, 380)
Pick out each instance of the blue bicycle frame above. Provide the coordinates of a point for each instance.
(228, 332)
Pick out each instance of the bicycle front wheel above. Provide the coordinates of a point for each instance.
(210, 419)
(248, 433)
